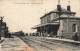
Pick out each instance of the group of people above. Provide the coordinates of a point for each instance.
(75, 37)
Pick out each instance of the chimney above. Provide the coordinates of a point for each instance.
(69, 7)
(59, 6)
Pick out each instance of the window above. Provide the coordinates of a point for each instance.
(74, 28)
(48, 19)
(41, 21)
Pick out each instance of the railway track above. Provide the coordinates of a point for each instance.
(44, 43)
(36, 42)
(27, 41)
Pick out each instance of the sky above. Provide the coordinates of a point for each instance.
(24, 14)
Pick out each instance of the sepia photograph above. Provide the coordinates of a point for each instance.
(39, 25)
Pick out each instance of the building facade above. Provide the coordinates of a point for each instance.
(59, 23)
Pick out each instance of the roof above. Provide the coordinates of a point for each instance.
(40, 25)
(56, 11)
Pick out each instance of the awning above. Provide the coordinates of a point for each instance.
(40, 25)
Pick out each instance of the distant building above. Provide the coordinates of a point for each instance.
(60, 23)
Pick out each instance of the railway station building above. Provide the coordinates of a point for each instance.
(59, 23)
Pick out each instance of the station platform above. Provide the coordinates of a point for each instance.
(14, 44)
(64, 40)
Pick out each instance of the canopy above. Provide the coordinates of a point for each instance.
(40, 25)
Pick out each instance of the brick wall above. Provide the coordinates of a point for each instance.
(67, 28)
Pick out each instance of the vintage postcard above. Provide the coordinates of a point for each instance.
(40, 25)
